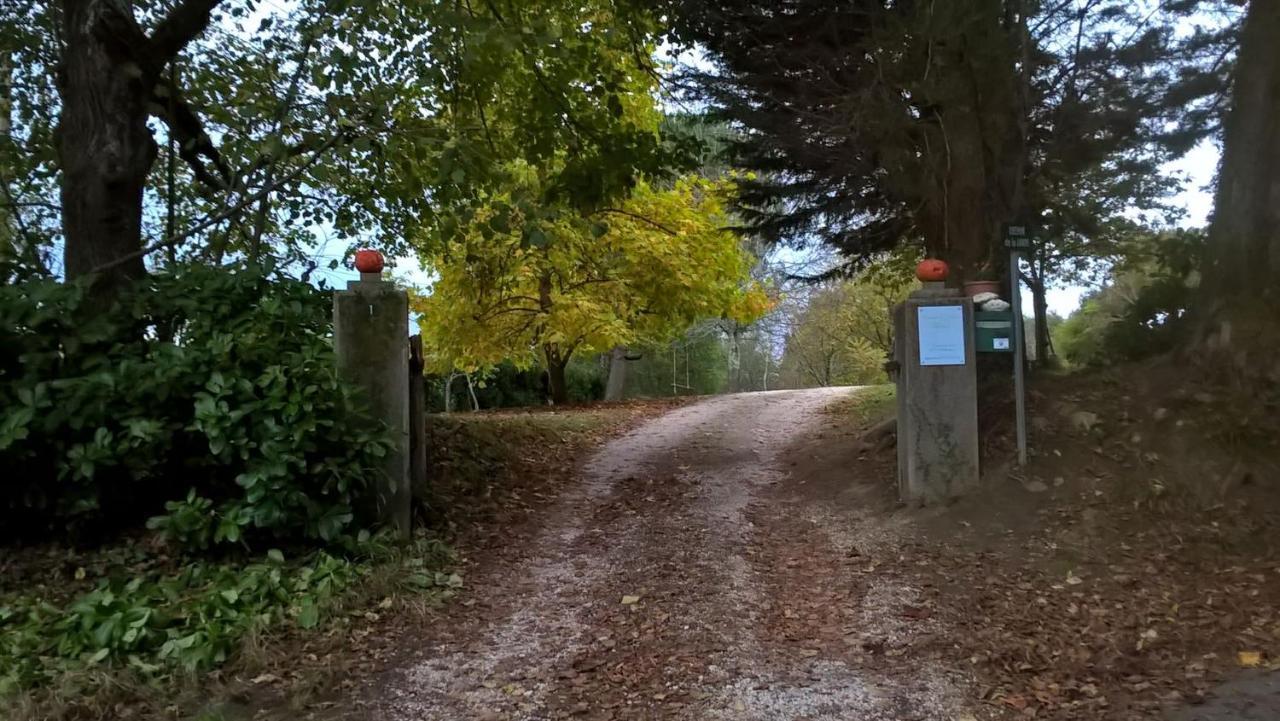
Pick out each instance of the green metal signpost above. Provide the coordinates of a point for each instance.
(1017, 238)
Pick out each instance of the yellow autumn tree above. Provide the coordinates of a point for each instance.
(515, 286)
(844, 334)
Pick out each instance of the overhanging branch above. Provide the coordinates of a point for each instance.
(641, 218)
(182, 25)
(194, 145)
(228, 212)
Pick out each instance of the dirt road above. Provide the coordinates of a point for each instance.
(681, 577)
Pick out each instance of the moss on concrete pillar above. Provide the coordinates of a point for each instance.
(371, 338)
(937, 396)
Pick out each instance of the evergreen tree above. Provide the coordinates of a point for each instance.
(1240, 291)
(873, 125)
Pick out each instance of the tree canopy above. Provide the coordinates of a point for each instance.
(363, 120)
(509, 287)
(844, 335)
(944, 121)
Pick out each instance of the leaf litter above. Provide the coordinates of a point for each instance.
(766, 587)
(654, 587)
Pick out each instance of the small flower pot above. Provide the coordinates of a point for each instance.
(974, 287)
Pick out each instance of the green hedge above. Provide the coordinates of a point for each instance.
(205, 395)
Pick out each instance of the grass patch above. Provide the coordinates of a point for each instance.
(867, 406)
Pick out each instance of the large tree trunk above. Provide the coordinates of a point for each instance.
(616, 386)
(1035, 280)
(109, 75)
(975, 138)
(964, 239)
(557, 385)
(1240, 294)
(1040, 306)
(104, 145)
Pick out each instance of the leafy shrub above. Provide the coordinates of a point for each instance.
(195, 620)
(212, 389)
(1142, 312)
(585, 379)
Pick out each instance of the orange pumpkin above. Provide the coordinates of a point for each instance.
(932, 269)
(369, 261)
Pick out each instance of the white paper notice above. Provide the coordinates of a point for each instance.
(941, 335)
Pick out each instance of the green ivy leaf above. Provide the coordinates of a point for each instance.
(309, 615)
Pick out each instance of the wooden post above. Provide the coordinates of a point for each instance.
(417, 419)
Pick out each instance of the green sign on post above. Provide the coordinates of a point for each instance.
(993, 331)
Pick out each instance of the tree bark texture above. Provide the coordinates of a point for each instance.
(1039, 286)
(557, 385)
(104, 145)
(975, 142)
(1040, 306)
(1240, 291)
(616, 386)
(110, 81)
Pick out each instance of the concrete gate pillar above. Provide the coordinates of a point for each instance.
(371, 339)
(937, 395)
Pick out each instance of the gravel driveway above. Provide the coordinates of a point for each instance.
(673, 580)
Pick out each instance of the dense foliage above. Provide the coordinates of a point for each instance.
(844, 335)
(254, 123)
(695, 364)
(1144, 308)
(206, 395)
(876, 125)
(194, 619)
(862, 119)
(512, 287)
(509, 386)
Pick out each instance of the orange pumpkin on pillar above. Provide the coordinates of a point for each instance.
(369, 261)
(932, 270)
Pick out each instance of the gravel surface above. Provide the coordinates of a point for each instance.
(1252, 697)
(674, 580)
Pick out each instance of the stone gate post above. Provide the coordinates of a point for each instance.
(937, 395)
(371, 339)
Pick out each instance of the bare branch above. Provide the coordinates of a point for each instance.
(641, 218)
(194, 144)
(183, 24)
(227, 213)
